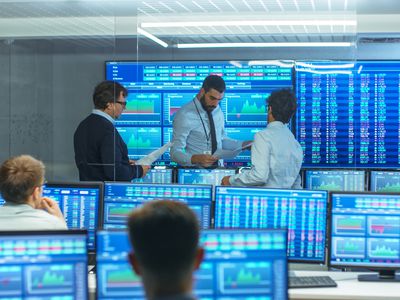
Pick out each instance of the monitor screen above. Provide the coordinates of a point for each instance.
(365, 230)
(79, 203)
(238, 264)
(2, 201)
(348, 114)
(385, 181)
(335, 180)
(158, 89)
(121, 198)
(302, 212)
(43, 265)
(203, 176)
(156, 175)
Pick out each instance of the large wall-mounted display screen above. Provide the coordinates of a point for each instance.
(158, 89)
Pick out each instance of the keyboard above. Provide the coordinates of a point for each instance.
(311, 282)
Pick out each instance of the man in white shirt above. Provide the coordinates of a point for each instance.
(276, 156)
(21, 186)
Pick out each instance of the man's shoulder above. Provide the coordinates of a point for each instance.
(94, 120)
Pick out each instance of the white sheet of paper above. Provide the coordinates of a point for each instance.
(153, 156)
(226, 154)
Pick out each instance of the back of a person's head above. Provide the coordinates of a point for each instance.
(214, 82)
(106, 92)
(19, 176)
(164, 236)
(283, 105)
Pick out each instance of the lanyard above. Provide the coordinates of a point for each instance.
(202, 123)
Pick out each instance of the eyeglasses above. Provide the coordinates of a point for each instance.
(122, 103)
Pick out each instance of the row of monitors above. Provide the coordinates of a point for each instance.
(302, 212)
(238, 264)
(327, 180)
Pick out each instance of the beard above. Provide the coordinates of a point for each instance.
(206, 107)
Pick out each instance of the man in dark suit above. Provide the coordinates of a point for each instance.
(165, 239)
(100, 152)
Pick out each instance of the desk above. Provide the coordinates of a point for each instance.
(348, 288)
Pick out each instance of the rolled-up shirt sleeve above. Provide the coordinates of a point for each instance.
(181, 130)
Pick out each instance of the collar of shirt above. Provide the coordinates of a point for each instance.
(275, 124)
(104, 115)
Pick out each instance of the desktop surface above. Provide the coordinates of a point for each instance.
(79, 203)
(121, 198)
(43, 265)
(302, 212)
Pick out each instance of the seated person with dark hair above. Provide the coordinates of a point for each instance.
(276, 156)
(21, 186)
(165, 240)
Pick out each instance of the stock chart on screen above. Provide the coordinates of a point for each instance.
(335, 180)
(156, 175)
(43, 265)
(140, 140)
(302, 212)
(121, 198)
(79, 203)
(365, 230)
(385, 181)
(157, 90)
(244, 134)
(238, 264)
(348, 113)
(203, 176)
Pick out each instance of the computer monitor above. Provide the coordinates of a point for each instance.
(238, 264)
(80, 203)
(120, 198)
(2, 201)
(365, 233)
(43, 265)
(335, 180)
(156, 175)
(302, 212)
(385, 181)
(203, 176)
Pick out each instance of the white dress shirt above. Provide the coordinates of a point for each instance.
(25, 217)
(276, 159)
(191, 137)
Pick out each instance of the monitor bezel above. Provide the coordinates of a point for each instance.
(308, 261)
(85, 184)
(329, 237)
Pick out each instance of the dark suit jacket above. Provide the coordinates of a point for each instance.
(100, 152)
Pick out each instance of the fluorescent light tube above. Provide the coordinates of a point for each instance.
(241, 45)
(152, 37)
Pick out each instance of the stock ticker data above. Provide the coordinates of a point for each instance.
(348, 113)
(157, 90)
(335, 180)
(238, 264)
(121, 198)
(385, 181)
(365, 230)
(79, 203)
(43, 265)
(203, 176)
(156, 175)
(302, 212)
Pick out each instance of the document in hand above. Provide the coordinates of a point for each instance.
(229, 154)
(153, 156)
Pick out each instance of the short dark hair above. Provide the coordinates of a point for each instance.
(106, 92)
(165, 236)
(19, 176)
(214, 82)
(283, 104)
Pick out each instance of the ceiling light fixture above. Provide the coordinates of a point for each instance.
(241, 45)
(250, 23)
(152, 37)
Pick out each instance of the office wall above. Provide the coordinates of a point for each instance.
(46, 86)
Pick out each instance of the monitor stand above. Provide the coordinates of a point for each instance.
(384, 275)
